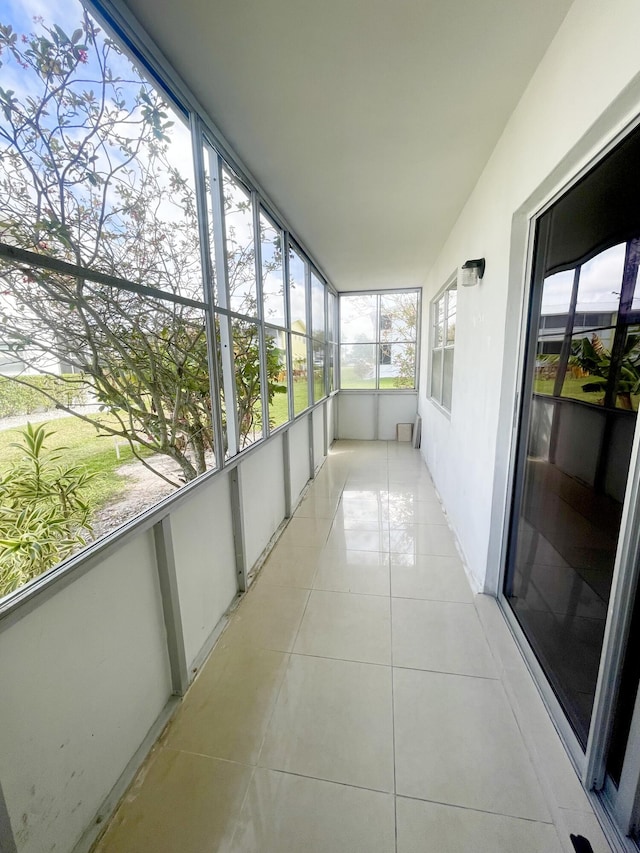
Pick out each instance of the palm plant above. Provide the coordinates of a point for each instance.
(595, 359)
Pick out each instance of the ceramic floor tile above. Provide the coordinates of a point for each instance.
(358, 540)
(364, 572)
(291, 565)
(268, 618)
(420, 512)
(374, 522)
(435, 828)
(285, 552)
(497, 633)
(417, 491)
(346, 626)
(586, 825)
(181, 802)
(306, 531)
(333, 721)
(456, 742)
(362, 502)
(317, 507)
(556, 770)
(430, 577)
(291, 814)
(226, 712)
(440, 635)
(423, 539)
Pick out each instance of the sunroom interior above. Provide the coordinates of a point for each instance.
(377, 587)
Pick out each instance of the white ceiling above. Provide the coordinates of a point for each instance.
(368, 122)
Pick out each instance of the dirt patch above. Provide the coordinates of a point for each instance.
(143, 489)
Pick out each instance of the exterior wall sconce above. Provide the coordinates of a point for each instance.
(471, 272)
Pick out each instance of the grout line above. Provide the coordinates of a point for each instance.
(474, 809)
(393, 703)
(322, 779)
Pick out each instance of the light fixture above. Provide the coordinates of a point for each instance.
(472, 272)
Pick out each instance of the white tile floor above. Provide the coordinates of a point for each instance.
(361, 699)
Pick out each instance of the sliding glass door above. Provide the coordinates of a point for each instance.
(570, 547)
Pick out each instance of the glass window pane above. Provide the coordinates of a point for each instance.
(238, 223)
(246, 354)
(451, 329)
(126, 378)
(358, 318)
(331, 318)
(317, 307)
(297, 292)
(398, 316)
(438, 322)
(556, 296)
(358, 365)
(208, 156)
(115, 191)
(397, 365)
(318, 371)
(447, 378)
(587, 375)
(272, 272)
(299, 360)
(332, 361)
(436, 375)
(600, 281)
(276, 344)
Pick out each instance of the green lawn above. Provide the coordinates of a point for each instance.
(83, 447)
(572, 388)
(279, 408)
(349, 381)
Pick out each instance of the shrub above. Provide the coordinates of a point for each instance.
(17, 398)
(42, 510)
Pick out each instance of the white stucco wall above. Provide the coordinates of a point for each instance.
(584, 91)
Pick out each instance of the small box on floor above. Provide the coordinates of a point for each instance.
(404, 432)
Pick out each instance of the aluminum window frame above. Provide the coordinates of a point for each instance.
(120, 24)
(443, 294)
(378, 342)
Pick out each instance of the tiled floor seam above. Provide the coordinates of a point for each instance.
(480, 811)
(393, 704)
(532, 751)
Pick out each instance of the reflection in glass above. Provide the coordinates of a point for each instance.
(585, 375)
(276, 346)
(272, 272)
(297, 292)
(358, 365)
(238, 223)
(299, 361)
